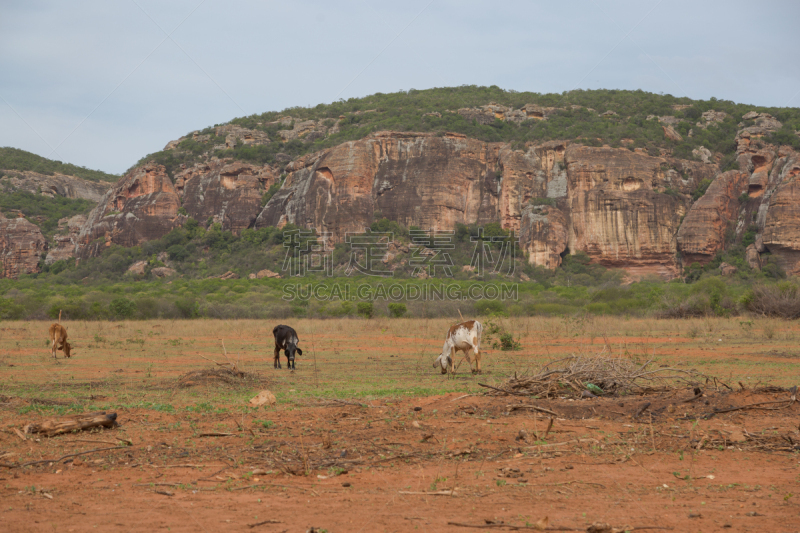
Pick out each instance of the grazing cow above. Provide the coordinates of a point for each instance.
(58, 337)
(286, 340)
(465, 336)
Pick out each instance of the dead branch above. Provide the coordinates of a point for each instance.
(52, 427)
(534, 408)
(71, 455)
(514, 528)
(614, 375)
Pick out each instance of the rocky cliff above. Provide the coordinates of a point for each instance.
(55, 185)
(142, 206)
(625, 208)
(704, 230)
(230, 192)
(21, 247)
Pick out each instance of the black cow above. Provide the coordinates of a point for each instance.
(286, 340)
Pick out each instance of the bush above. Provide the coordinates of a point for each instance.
(177, 252)
(10, 310)
(490, 307)
(542, 201)
(187, 307)
(397, 310)
(507, 343)
(122, 308)
(781, 300)
(701, 189)
(365, 309)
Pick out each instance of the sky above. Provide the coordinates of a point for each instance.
(102, 83)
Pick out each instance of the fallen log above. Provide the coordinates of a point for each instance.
(58, 426)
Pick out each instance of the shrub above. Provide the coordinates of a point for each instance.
(9, 310)
(701, 189)
(365, 309)
(780, 300)
(490, 307)
(542, 201)
(122, 308)
(187, 307)
(507, 342)
(177, 252)
(397, 310)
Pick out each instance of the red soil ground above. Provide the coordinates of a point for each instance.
(458, 459)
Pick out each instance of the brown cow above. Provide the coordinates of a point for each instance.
(58, 336)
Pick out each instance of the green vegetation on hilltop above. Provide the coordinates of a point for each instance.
(44, 211)
(406, 111)
(16, 159)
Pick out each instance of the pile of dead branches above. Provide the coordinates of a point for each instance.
(216, 376)
(599, 375)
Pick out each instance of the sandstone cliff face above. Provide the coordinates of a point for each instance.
(67, 240)
(21, 246)
(781, 234)
(55, 185)
(415, 179)
(620, 207)
(702, 233)
(230, 191)
(621, 214)
(142, 206)
(543, 235)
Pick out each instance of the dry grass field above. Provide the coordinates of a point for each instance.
(345, 450)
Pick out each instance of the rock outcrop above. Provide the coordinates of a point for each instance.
(543, 235)
(142, 206)
(625, 207)
(55, 185)
(488, 113)
(414, 178)
(781, 233)
(229, 190)
(704, 229)
(21, 246)
(235, 134)
(68, 238)
(620, 207)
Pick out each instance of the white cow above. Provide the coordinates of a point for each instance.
(465, 336)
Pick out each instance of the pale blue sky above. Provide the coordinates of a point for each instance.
(99, 83)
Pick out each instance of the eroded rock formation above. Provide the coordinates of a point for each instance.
(229, 190)
(142, 206)
(703, 232)
(781, 233)
(21, 247)
(66, 240)
(625, 207)
(55, 185)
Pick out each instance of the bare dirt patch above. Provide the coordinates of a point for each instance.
(417, 464)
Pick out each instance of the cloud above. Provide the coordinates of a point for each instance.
(113, 63)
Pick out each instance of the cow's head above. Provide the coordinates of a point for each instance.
(442, 361)
(290, 351)
(67, 347)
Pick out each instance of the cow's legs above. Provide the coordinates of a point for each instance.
(55, 349)
(452, 360)
(277, 358)
(477, 350)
